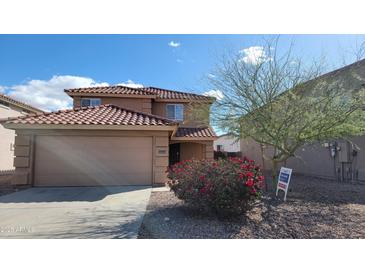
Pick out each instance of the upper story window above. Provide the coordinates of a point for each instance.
(90, 102)
(175, 112)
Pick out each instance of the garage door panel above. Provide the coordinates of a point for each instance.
(82, 160)
(92, 180)
(98, 158)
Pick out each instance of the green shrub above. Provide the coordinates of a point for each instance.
(222, 186)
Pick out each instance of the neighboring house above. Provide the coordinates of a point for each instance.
(335, 159)
(10, 108)
(227, 143)
(115, 135)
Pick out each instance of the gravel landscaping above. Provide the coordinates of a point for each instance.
(315, 208)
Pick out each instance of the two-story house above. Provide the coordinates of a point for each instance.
(114, 135)
(10, 107)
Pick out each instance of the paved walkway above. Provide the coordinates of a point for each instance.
(73, 212)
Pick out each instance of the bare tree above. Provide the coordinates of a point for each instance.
(282, 102)
(359, 50)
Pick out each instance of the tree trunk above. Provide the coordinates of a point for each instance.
(263, 164)
(274, 172)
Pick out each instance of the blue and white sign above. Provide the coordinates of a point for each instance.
(284, 179)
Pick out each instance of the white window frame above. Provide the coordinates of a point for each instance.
(175, 114)
(91, 100)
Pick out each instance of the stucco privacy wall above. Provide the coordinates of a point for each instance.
(137, 104)
(25, 148)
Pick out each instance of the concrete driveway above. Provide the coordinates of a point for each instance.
(73, 212)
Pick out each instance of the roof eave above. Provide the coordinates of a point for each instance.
(20, 105)
(205, 101)
(193, 138)
(16, 126)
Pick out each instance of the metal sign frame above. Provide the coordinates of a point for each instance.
(283, 180)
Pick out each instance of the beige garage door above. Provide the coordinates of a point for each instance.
(92, 161)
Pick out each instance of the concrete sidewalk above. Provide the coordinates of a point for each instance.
(74, 212)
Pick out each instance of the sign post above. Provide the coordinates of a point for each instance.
(284, 179)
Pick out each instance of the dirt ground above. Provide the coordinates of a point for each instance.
(315, 208)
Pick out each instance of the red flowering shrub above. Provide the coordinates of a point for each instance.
(223, 186)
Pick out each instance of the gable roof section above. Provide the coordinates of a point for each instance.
(156, 93)
(11, 101)
(112, 90)
(188, 133)
(103, 115)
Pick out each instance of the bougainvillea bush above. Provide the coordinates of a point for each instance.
(223, 186)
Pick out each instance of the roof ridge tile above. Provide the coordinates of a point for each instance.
(20, 104)
(161, 93)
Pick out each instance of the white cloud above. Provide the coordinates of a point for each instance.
(2, 89)
(254, 55)
(210, 75)
(293, 62)
(174, 44)
(48, 95)
(214, 93)
(131, 84)
(179, 60)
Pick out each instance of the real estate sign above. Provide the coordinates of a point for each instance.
(284, 179)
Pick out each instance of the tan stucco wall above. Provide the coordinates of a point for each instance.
(348, 79)
(159, 108)
(314, 160)
(7, 137)
(195, 150)
(24, 159)
(24, 144)
(358, 162)
(192, 151)
(252, 150)
(138, 104)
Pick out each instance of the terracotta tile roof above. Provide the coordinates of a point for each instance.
(158, 93)
(177, 95)
(194, 132)
(109, 90)
(98, 115)
(9, 100)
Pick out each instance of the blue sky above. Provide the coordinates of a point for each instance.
(35, 68)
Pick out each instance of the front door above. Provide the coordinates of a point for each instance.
(174, 154)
